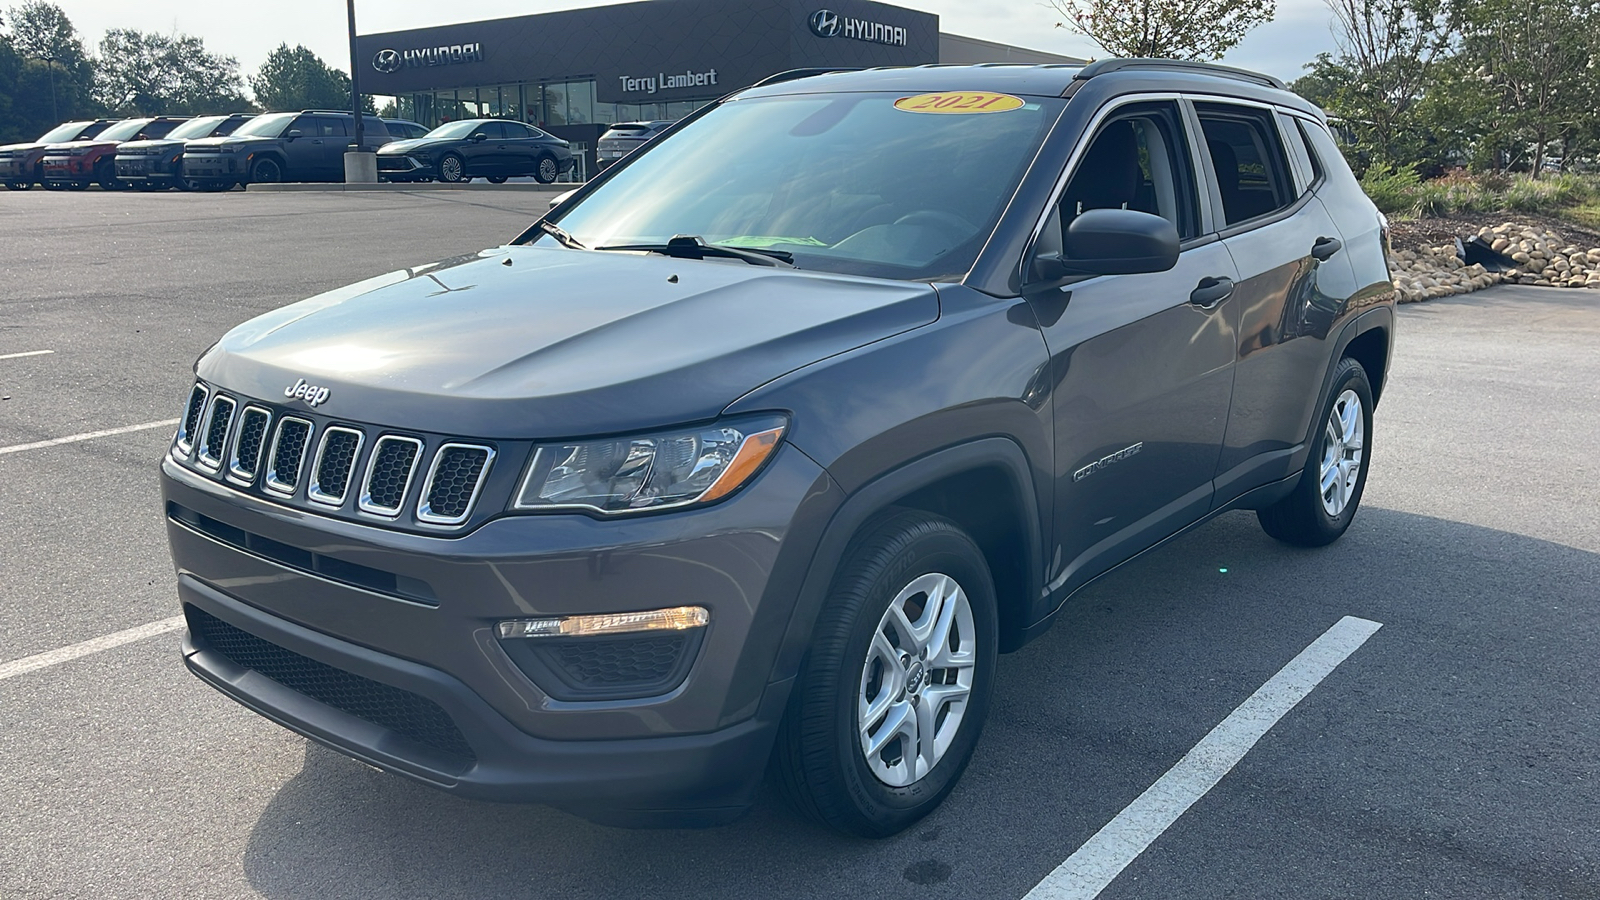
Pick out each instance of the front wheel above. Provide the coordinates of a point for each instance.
(546, 170)
(1324, 502)
(496, 179)
(451, 169)
(266, 171)
(19, 185)
(894, 691)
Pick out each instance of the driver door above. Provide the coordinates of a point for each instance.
(1142, 364)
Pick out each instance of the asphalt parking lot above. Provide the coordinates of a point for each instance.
(1455, 753)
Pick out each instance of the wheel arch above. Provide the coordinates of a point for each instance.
(1371, 349)
(985, 486)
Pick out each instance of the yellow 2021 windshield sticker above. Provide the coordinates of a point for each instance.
(959, 103)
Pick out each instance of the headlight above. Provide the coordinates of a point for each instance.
(650, 472)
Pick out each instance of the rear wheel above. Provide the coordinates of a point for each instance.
(451, 169)
(106, 175)
(266, 171)
(895, 687)
(1324, 502)
(546, 170)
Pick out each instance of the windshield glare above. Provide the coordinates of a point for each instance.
(122, 131)
(454, 130)
(268, 125)
(195, 128)
(844, 182)
(62, 133)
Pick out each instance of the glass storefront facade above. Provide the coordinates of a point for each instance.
(544, 104)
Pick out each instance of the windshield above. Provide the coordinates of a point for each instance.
(844, 182)
(67, 132)
(195, 128)
(268, 125)
(455, 130)
(123, 130)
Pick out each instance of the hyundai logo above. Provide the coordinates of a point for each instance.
(387, 61)
(825, 23)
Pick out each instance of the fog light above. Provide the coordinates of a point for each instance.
(678, 618)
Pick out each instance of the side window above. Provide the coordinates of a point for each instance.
(329, 126)
(1251, 170)
(1317, 171)
(494, 131)
(517, 131)
(306, 125)
(1137, 160)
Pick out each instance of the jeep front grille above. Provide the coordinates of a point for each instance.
(190, 426)
(245, 461)
(288, 455)
(394, 461)
(330, 474)
(215, 439)
(453, 483)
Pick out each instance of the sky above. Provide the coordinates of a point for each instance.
(249, 32)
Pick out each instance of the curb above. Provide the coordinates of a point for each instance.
(409, 187)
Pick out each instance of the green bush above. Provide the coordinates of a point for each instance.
(1400, 192)
(1391, 189)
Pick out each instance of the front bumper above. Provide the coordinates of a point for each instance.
(215, 167)
(400, 167)
(147, 168)
(15, 168)
(66, 168)
(693, 754)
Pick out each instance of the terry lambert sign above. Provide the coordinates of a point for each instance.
(825, 23)
(390, 61)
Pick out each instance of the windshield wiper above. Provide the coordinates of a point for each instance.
(691, 246)
(561, 235)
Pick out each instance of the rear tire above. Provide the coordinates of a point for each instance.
(106, 175)
(895, 687)
(546, 170)
(496, 179)
(1324, 502)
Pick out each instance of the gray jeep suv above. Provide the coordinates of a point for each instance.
(753, 454)
(272, 147)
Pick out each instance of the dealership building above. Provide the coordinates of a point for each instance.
(575, 71)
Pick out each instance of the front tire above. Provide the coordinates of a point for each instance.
(895, 688)
(1324, 502)
(266, 171)
(452, 169)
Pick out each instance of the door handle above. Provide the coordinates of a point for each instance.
(1324, 248)
(1211, 291)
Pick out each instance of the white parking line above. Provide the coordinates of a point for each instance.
(106, 642)
(1088, 871)
(28, 353)
(74, 438)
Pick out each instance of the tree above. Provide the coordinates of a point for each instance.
(1387, 51)
(42, 30)
(45, 75)
(295, 78)
(1537, 59)
(1169, 29)
(143, 73)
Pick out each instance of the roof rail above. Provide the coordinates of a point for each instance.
(1177, 65)
(793, 74)
(336, 112)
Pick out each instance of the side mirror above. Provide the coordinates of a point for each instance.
(1110, 242)
(478, 137)
(294, 133)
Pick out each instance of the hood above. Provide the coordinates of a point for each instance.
(20, 148)
(158, 144)
(212, 143)
(78, 145)
(408, 145)
(537, 342)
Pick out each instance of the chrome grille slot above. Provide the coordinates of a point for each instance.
(288, 454)
(245, 461)
(394, 461)
(336, 458)
(215, 432)
(190, 426)
(453, 483)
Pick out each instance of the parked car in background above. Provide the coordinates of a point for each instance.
(404, 129)
(495, 149)
(283, 146)
(73, 166)
(157, 164)
(624, 138)
(19, 163)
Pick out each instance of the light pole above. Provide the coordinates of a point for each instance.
(360, 166)
(50, 64)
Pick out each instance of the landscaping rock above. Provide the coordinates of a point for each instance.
(1543, 257)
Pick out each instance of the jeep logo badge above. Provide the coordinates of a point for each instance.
(825, 23)
(313, 396)
(387, 61)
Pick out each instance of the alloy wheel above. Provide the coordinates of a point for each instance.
(450, 169)
(548, 170)
(916, 680)
(1341, 452)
